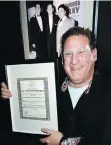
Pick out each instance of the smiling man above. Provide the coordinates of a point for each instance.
(84, 104)
(79, 60)
(84, 100)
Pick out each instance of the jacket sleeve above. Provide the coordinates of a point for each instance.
(106, 135)
(70, 141)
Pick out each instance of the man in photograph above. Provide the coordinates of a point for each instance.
(31, 13)
(51, 26)
(37, 40)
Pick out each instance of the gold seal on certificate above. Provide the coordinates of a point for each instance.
(33, 102)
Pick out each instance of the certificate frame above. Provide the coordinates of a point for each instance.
(33, 103)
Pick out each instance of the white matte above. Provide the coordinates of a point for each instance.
(31, 71)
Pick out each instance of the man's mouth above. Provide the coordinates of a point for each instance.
(76, 68)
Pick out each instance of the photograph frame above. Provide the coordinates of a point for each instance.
(90, 22)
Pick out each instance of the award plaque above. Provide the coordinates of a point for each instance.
(33, 103)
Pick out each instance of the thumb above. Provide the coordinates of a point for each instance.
(48, 131)
(3, 85)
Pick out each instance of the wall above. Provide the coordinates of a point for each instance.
(104, 37)
(11, 41)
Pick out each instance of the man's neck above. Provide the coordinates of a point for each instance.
(81, 84)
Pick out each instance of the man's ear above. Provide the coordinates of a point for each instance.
(94, 54)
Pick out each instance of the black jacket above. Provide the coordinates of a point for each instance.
(36, 36)
(91, 118)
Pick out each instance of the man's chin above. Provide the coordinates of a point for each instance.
(74, 79)
(77, 80)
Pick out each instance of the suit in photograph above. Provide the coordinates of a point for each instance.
(51, 36)
(36, 36)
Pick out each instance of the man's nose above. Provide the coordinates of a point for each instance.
(74, 58)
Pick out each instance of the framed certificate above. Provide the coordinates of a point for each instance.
(33, 102)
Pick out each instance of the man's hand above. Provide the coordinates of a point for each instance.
(33, 55)
(5, 93)
(53, 138)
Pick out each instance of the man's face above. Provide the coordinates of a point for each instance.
(78, 59)
(38, 9)
(49, 9)
(61, 13)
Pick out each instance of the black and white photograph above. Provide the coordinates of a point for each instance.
(44, 22)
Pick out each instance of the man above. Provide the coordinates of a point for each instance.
(51, 26)
(84, 101)
(36, 34)
(31, 13)
(85, 98)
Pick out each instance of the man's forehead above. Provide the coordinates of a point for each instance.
(49, 6)
(77, 40)
(80, 47)
(37, 6)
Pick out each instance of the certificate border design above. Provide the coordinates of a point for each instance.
(45, 79)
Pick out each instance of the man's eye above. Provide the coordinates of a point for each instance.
(81, 52)
(67, 53)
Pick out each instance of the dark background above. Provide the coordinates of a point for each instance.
(12, 52)
(104, 37)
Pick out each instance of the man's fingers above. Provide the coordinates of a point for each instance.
(43, 140)
(3, 85)
(3, 90)
(5, 95)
